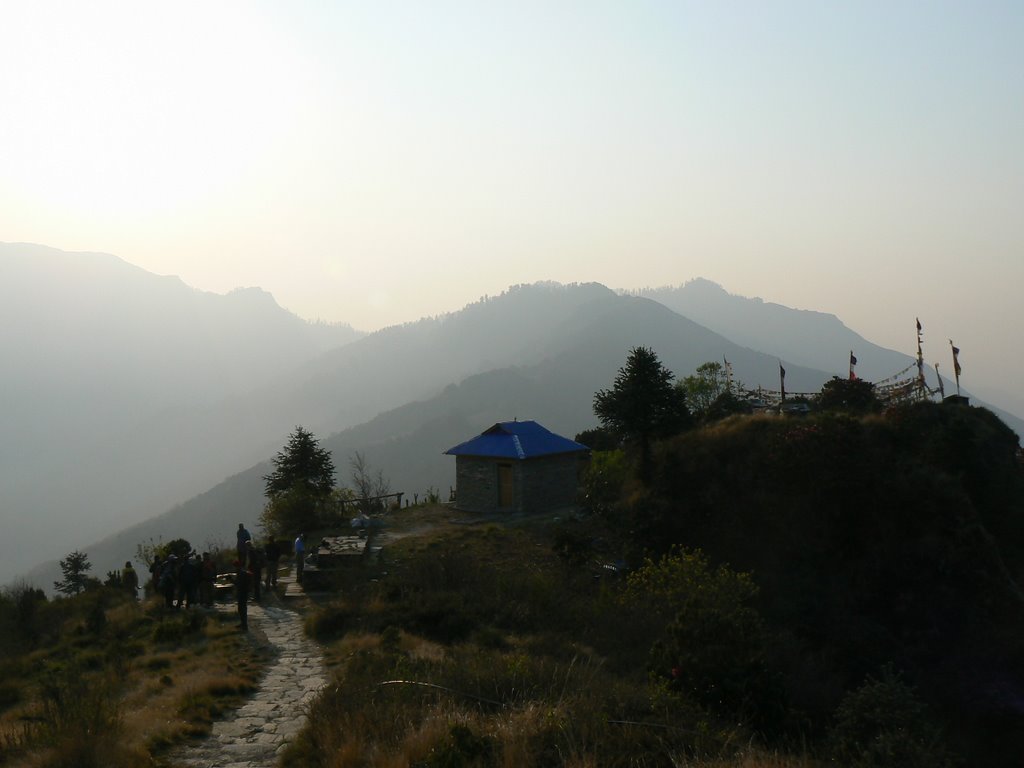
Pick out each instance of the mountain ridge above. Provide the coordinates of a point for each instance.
(110, 474)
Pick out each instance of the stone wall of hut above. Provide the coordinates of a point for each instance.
(543, 483)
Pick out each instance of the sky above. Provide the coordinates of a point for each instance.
(377, 162)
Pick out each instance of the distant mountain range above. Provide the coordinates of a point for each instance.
(191, 388)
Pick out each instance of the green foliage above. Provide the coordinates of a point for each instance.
(603, 482)
(81, 717)
(572, 544)
(598, 439)
(704, 387)
(643, 404)
(463, 748)
(302, 462)
(714, 647)
(883, 724)
(726, 404)
(20, 608)
(871, 537)
(180, 627)
(180, 548)
(849, 396)
(296, 509)
(299, 488)
(74, 568)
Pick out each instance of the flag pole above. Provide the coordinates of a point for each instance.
(920, 357)
(942, 389)
(956, 365)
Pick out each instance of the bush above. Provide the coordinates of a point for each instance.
(329, 623)
(176, 629)
(603, 482)
(714, 649)
(882, 724)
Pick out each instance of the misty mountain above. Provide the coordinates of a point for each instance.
(578, 355)
(401, 396)
(814, 339)
(106, 369)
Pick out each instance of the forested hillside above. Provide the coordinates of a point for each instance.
(893, 541)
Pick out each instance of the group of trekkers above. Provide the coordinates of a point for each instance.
(251, 564)
(184, 581)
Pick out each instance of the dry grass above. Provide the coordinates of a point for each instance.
(485, 617)
(134, 696)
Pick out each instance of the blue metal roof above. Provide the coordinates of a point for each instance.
(516, 440)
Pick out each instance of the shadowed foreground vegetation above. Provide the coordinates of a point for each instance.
(100, 680)
(778, 592)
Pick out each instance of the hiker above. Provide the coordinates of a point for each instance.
(154, 575)
(255, 567)
(272, 553)
(168, 579)
(242, 594)
(300, 556)
(243, 537)
(130, 580)
(188, 581)
(207, 576)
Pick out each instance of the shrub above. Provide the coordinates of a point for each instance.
(463, 748)
(882, 724)
(81, 716)
(330, 622)
(604, 480)
(714, 650)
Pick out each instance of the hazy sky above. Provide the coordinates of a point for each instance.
(376, 162)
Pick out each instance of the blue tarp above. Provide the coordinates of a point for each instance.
(516, 440)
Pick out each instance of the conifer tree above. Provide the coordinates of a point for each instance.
(643, 404)
(302, 481)
(74, 568)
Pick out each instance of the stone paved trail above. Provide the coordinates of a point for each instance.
(254, 735)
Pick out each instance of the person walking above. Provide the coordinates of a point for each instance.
(130, 580)
(207, 576)
(154, 575)
(188, 581)
(242, 594)
(272, 553)
(243, 537)
(169, 579)
(255, 568)
(300, 556)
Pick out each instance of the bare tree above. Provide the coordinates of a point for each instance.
(368, 485)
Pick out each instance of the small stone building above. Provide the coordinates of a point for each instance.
(517, 466)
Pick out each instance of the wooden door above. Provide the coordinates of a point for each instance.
(505, 486)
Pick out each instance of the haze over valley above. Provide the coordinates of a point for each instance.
(144, 408)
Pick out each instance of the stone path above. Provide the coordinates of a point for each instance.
(254, 735)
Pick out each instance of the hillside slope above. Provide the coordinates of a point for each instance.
(581, 355)
(107, 371)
